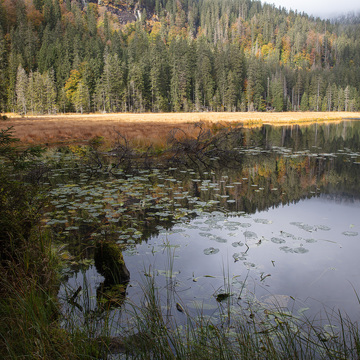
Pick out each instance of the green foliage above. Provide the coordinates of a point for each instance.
(304, 106)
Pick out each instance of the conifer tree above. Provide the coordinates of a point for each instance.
(21, 90)
(3, 68)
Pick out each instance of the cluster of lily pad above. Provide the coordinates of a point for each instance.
(123, 206)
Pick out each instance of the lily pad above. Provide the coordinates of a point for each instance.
(219, 239)
(300, 250)
(249, 264)
(211, 251)
(286, 249)
(277, 240)
(263, 221)
(250, 235)
(236, 244)
(286, 234)
(323, 227)
(350, 233)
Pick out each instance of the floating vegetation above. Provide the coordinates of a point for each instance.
(277, 240)
(323, 227)
(263, 221)
(237, 256)
(287, 235)
(286, 249)
(167, 273)
(350, 233)
(250, 235)
(249, 264)
(245, 225)
(236, 244)
(298, 250)
(219, 239)
(211, 251)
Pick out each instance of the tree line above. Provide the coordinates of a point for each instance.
(180, 55)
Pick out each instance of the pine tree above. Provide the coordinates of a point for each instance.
(204, 76)
(180, 75)
(50, 92)
(136, 88)
(3, 69)
(237, 66)
(112, 82)
(277, 93)
(221, 75)
(230, 95)
(304, 105)
(38, 97)
(159, 75)
(81, 98)
(30, 93)
(21, 90)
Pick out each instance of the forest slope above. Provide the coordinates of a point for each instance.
(174, 55)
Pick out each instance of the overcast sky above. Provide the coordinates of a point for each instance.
(322, 8)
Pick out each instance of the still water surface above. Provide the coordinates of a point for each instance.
(282, 225)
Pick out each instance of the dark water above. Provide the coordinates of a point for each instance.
(279, 222)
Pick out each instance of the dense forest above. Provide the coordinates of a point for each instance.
(174, 55)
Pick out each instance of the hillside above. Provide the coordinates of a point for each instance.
(175, 55)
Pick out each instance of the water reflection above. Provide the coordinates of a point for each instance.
(298, 250)
(274, 210)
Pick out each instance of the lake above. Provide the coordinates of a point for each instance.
(262, 218)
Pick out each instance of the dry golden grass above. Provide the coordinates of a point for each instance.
(144, 128)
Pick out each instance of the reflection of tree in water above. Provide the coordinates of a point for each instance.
(328, 136)
(289, 163)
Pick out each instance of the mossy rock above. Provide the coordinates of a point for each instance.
(109, 262)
